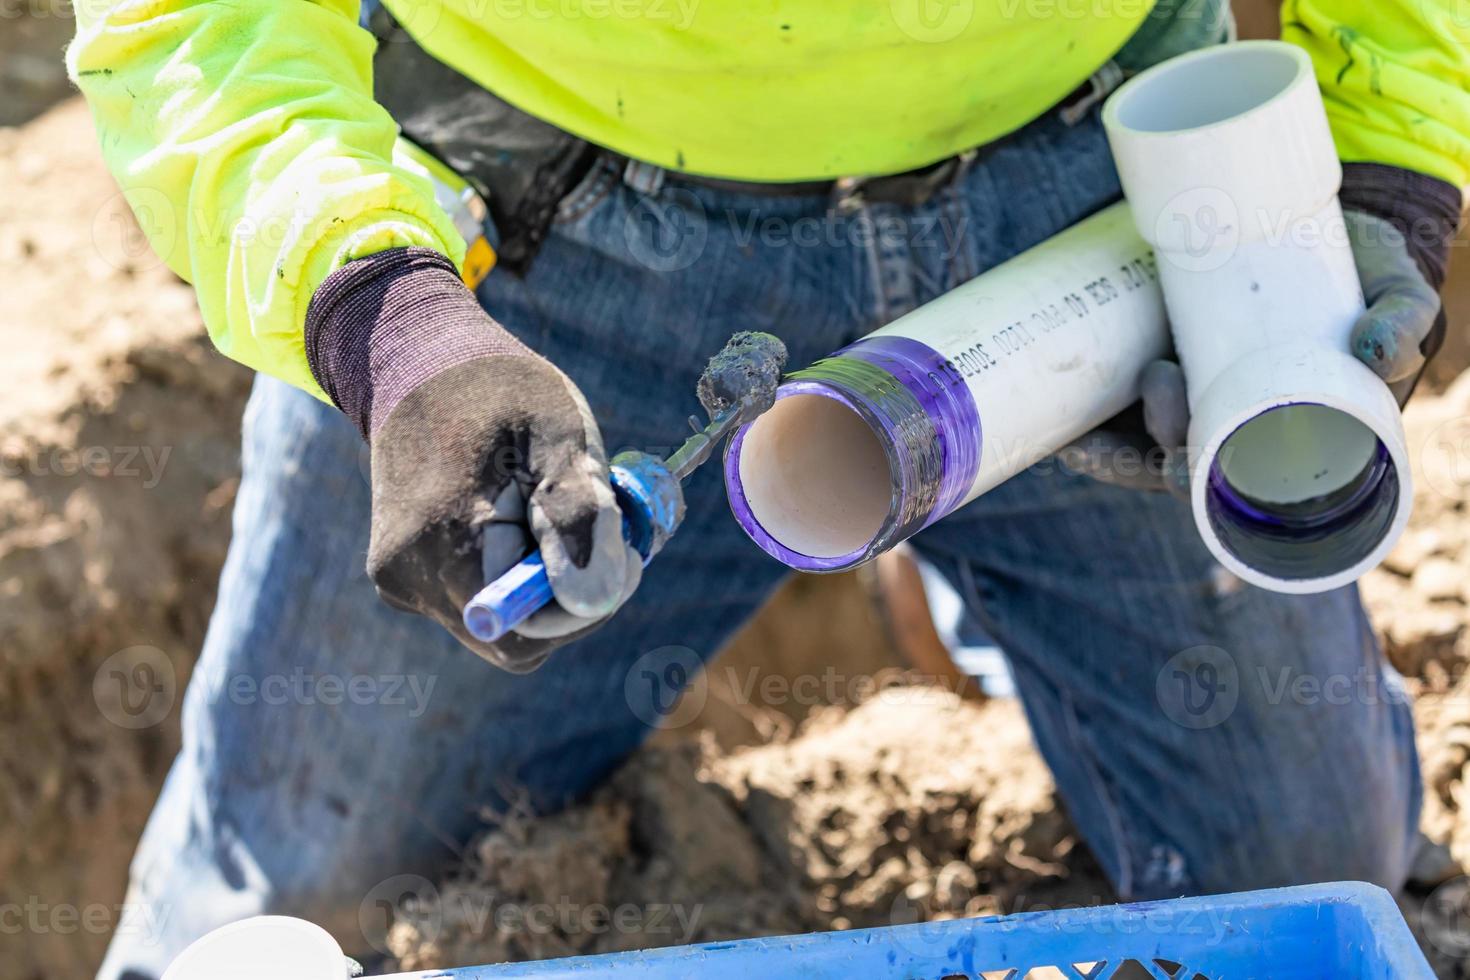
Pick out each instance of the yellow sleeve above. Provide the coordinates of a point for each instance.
(245, 137)
(1396, 78)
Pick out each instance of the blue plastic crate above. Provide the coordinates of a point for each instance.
(1346, 929)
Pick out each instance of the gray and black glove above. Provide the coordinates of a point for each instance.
(481, 450)
(1401, 224)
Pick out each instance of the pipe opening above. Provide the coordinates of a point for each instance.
(815, 476)
(1229, 81)
(1302, 492)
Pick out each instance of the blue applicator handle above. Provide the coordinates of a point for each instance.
(651, 513)
(505, 603)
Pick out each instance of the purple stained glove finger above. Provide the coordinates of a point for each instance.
(1388, 337)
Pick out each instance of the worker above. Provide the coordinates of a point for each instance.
(659, 175)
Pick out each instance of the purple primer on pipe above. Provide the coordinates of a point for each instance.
(945, 398)
(925, 418)
(735, 490)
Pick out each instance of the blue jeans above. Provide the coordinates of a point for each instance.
(1205, 735)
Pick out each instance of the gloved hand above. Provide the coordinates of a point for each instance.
(480, 450)
(1402, 327)
(1391, 337)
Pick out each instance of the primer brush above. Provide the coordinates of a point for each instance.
(738, 385)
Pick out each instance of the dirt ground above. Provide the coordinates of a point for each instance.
(118, 465)
(913, 805)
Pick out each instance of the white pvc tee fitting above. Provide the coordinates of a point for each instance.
(1298, 469)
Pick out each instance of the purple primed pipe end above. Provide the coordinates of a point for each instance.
(1312, 539)
(924, 417)
(740, 503)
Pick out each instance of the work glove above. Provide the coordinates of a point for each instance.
(481, 449)
(1400, 225)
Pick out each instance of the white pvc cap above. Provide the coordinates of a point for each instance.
(267, 947)
(1345, 417)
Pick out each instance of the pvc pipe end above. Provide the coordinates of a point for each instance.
(1308, 485)
(1214, 147)
(810, 481)
(1223, 83)
(861, 450)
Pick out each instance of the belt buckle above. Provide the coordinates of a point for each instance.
(912, 188)
(1101, 84)
(847, 194)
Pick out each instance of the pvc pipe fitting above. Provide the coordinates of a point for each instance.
(886, 436)
(1299, 473)
(274, 946)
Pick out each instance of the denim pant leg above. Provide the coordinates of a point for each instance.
(332, 744)
(1206, 735)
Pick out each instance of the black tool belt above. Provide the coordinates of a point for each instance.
(524, 167)
(521, 166)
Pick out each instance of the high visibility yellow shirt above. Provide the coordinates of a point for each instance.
(245, 134)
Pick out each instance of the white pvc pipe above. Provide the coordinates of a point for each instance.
(888, 435)
(1299, 472)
